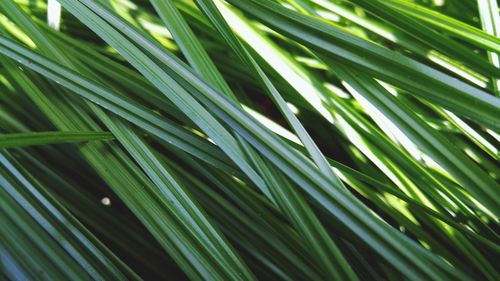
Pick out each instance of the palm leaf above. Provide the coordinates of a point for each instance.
(259, 139)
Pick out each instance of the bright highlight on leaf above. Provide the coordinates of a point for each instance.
(54, 14)
(249, 140)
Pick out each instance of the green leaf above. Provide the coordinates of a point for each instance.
(387, 65)
(42, 138)
(259, 139)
